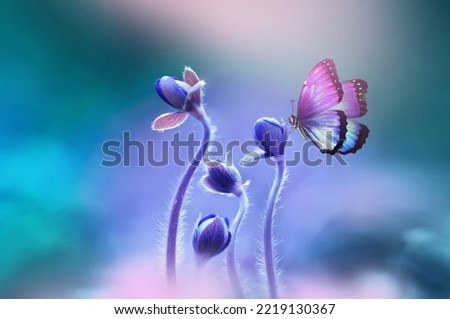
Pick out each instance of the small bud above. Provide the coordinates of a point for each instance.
(172, 91)
(222, 179)
(211, 237)
(271, 136)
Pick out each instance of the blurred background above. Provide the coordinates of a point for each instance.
(75, 74)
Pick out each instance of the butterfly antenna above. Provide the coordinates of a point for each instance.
(292, 106)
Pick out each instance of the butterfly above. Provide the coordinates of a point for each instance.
(327, 108)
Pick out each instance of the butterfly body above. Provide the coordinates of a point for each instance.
(326, 109)
(295, 124)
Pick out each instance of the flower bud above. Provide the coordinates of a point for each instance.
(211, 236)
(172, 91)
(270, 135)
(222, 179)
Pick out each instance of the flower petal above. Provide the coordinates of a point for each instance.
(270, 135)
(211, 236)
(172, 91)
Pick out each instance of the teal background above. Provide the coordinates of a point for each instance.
(76, 74)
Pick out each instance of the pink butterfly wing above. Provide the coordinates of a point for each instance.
(353, 102)
(355, 137)
(321, 90)
(168, 121)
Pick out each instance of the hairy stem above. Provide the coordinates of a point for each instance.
(268, 227)
(231, 255)
(178, 201)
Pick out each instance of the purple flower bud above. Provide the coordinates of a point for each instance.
(222, 179)
(270, 135)
(172, 91)
(211, 236)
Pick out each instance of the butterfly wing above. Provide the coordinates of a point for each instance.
(353, 102)
(168, 121)
(326, 130)
(355, 137)
(321, 90)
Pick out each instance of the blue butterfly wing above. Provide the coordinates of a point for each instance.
(355, 137)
